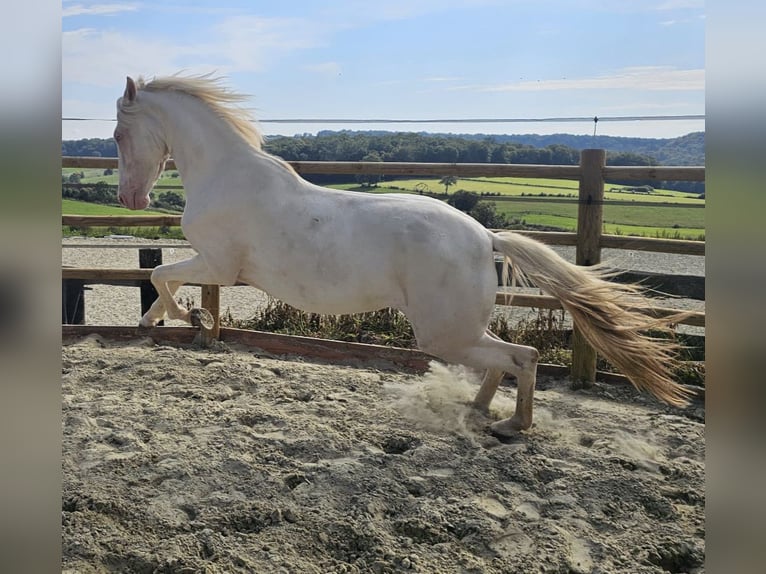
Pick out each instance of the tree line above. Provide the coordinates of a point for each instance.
(420, 147)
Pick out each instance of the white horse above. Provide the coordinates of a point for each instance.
(251, 218)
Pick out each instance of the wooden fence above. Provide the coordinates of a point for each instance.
(592, 172)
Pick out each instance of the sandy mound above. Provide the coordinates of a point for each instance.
(227, 460)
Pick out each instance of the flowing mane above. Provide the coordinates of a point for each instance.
(218, 98)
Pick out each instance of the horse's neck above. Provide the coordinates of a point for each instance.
(200, 142)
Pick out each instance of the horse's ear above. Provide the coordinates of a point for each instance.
(130, 92)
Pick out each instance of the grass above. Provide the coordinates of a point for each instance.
(74, 207)
(673, 221)
(657, 221)
(515, 186)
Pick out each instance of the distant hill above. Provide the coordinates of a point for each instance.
(684, 150)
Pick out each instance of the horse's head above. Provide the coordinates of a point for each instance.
(141, 148)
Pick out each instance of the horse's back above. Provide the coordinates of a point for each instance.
(335, 251)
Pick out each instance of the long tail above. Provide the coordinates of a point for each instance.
(604, 312)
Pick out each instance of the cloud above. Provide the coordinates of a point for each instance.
(250, 43)
(643, 78)
(681, 5)
(329, 69)
(243, 43)
(97, 9)
(103, 57)
(443, 79)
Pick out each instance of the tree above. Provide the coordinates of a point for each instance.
(464, 200)
(372, 179)
(485, 212)
(447, 181)
(170, 200)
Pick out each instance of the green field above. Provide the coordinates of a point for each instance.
(93, 175)
(518, 186)
(675, 220)
(74, 207)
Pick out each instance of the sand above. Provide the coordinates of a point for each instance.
(229, 460)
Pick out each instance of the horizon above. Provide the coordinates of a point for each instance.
(444, 134)
(431, 60)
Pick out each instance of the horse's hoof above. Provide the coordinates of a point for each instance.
(202, 318)
(507, 428)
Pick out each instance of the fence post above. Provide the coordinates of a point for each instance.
(149, 258)
(211, 300)
(590, 217)
(73, 302)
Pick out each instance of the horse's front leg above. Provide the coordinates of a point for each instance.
(167, 279)
(156, 312)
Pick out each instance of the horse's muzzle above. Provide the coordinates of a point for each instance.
(132, 201)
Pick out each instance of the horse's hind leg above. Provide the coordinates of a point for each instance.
(497, 356)
(525, 390)
(489, 384)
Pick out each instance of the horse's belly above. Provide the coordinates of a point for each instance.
(317, 295)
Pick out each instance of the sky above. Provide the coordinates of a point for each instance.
(401, 59)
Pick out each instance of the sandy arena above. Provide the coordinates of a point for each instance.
(232, 460)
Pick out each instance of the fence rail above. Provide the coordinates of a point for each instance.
(138, 276)
(664, 173)
(589, 240)
(676, 246)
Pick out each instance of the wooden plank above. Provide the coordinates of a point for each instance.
(106, 274)
(95, 162)
(524, 300)
(694, 319)
(677, 246)
(685, 286)
(321, 349)
(438, 169)
(384, 168)
(175, 335)
(133, 276)
(326, 349)
(127, 245)
(277, 344)
(121, 220)
(667, 173)
(571, 201)
(550, 237)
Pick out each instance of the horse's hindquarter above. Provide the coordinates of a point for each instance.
(337, 252)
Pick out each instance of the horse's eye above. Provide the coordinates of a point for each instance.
(117, 137)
